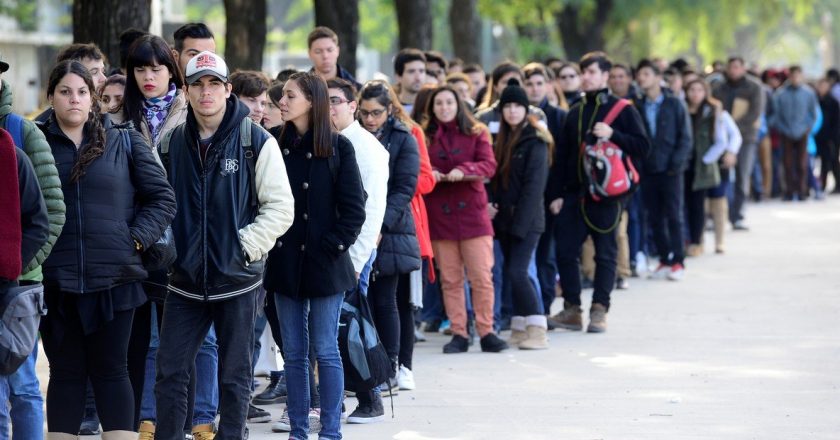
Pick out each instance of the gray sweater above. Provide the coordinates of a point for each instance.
(795, 110)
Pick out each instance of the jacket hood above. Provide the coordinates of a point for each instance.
(5, 99)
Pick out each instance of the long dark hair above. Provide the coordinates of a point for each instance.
(709, 101)
(148, 50)
(93, 129)
(467, 124)
(506, 142)
(314, 88)
(382, 92)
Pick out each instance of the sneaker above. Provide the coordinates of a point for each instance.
(282, 425)
(204, 432)
(597, 319)
(372, 412)
(490, 343)
(391, 385)
(314, 420)
(571, 318)
(276, 391)
(660, 273)
(739, 226)
(257, 415)
(405, 379)
(146, 431)
(458, 344)
(641, 263)
(419, 336)
(444, 327)
(622, 284)
(677, 272)
(90, 423)
(344, 413)
(432, 326)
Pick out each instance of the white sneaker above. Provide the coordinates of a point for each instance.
(405, 379)
(660, 273)
(677, 272)
(641, 263)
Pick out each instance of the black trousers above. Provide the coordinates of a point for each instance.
(382, 296)
(695, 211)
(663, 195)
(74, 357)
(517, 253)
(571, 230)
(406, 313)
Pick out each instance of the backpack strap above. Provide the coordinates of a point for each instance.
(163, 149)
(246, 141)
(14, 125)
(615, 111)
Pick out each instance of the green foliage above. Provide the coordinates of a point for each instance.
(25, 12)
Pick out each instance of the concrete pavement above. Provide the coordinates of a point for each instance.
(746, 347)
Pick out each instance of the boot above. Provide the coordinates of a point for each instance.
(536, 329)
(719, 207)
(597, 319)
(61, 436)
(571, 318)
(146, 431)
(119, 435)
(694, 250)
(203, 432)
(517, 329)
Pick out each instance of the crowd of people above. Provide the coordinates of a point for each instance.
(454, 200)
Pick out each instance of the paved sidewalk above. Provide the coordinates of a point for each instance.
(743, 348)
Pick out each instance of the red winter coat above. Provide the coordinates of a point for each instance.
(458, 210)
(425, 185)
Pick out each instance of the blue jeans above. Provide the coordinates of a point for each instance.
(546, 264)
(432, 298)
(503, 303)
(207, 384)
(22, 390)
(300, 320)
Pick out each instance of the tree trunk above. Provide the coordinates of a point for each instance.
(343, 18)
(414, 19)
(101, 22)
(583, 35)
(465, 26)
(245, 34)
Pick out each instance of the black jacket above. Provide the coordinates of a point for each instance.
(830, 130)
(122, 197)
(311, 259)
(628, 133)
(521, 206)
(214, 203)
(35, 225)
(555, 117)
(671, 148)
(398, 252)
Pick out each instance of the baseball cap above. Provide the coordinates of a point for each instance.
(206, 63)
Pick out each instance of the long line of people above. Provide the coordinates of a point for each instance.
(470, 196)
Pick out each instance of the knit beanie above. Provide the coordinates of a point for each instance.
(513, 93)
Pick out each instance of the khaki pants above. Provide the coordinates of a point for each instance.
(476, 256)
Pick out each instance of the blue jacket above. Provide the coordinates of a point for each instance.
(671, 147)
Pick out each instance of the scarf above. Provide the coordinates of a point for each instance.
(157, 109)
(10, 221)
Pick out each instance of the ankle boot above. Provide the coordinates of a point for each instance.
(719, 208)
(536, 330)
(571, 318)
(146, 431)
(61, 436)
(203, 432)
(119, 435)
(517, 331)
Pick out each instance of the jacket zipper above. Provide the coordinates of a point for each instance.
(204, 221)
(81, 238)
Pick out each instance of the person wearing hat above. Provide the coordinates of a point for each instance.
(234, 201)
(522, 149)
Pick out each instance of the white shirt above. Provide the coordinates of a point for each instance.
(372, 158)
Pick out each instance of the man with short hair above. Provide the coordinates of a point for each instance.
(578, 215)
(621, 82)
(324, 52)
(90, 56)
(435, 67)
(222, 243)
(743, 97)
(669, 130)
(251, 87)
(478, 79)
(410, 72)
(794, 112)
(190, 40)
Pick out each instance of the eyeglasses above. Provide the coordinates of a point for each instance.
(335, 100)
(573, 76)
(374, 113)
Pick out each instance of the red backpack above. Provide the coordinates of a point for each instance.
(608, 171)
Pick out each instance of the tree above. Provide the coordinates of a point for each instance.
(581, 34)
(343, 18)
(415, 22)
(465, 26)
(101, 22)
(245, 33)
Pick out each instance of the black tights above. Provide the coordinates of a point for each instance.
(74, 356)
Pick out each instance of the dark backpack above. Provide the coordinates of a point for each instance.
(366, 363)
(21, 309)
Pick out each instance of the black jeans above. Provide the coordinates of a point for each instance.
(695, 210)
(571, 230)
(663, 196)
(185, 324)
(382, 295)
(517, 253)
(546, 262)
(74, 357)
(406, 311)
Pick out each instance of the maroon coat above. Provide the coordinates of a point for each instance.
(458, 211)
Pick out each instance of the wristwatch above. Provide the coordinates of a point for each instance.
(138, 246)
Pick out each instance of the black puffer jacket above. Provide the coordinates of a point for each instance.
(521, 206)
(123, 196)
(398, 252)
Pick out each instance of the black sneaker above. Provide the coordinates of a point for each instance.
(90, 423)
(276, 391)
(372, 412)
(258, 415)
(491, 343)
(432, 326)
(458, 344)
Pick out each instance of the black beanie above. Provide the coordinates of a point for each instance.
(513, 93)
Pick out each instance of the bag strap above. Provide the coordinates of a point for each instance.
(246, 141)
(615, 110)
(14, 125)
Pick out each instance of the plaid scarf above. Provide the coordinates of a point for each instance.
(157, 109)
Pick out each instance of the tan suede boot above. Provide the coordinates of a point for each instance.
(203, 432)
(517, 331)
(146, 431)
(537, 339)
(719, 208)
(119, 435)
(597, 319)
(571, 318)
